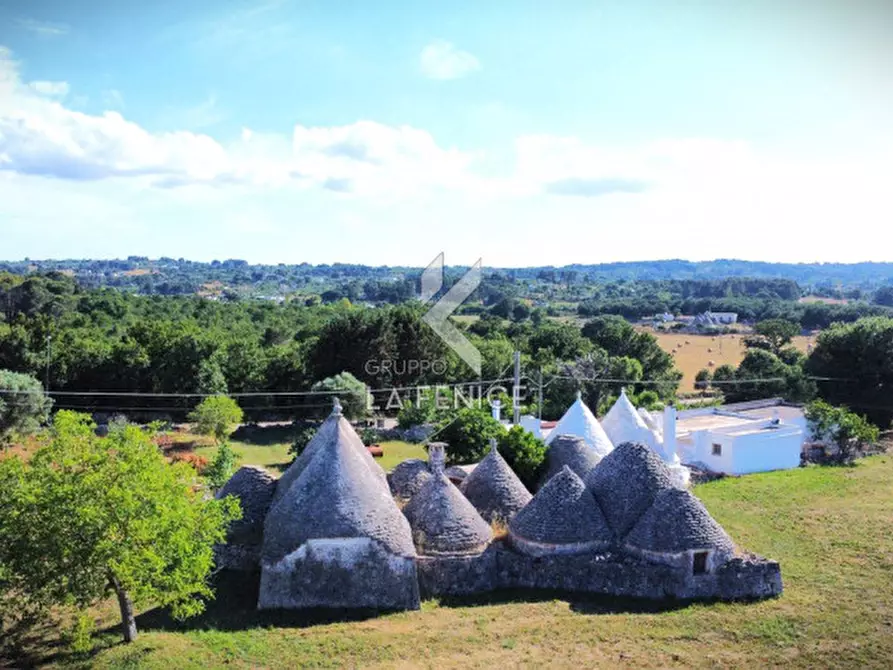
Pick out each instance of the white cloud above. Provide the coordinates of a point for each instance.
(39, 136)
(50, 88)
(442, 60)
(44, 28)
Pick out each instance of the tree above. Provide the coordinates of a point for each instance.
(222, 467)
(302, 439)
(524, 453)
(468, 434)
(702, 379)
(848, 431)
(855, 365)
(217, 416)
(773, 334)
(23, 405)
(210, 378)
(884, 296)
(86, 517)
(353, 395)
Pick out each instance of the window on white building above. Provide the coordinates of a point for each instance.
(717, 449)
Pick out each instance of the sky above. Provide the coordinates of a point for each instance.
(385, 133)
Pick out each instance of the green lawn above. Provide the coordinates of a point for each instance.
(830, 529)
(269, 447)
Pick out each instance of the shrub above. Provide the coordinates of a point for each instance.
(200, 463)
(468, 433)
(524, 453)
(302, 439)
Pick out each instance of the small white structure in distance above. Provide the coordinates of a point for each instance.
(743, 438)
(580, 421)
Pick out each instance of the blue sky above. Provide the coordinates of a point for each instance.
(525, 133)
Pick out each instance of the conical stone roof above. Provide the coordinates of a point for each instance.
(580, 421)
(323, 436)
(563, 512)
(677, 522)
(408, 477)
(623, 423)
(254, 488)
(494, 489)
(626, 482)
(573, 452)
(337, 495)
(444, 522)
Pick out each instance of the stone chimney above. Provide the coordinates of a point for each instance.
(496, 409)
(336, 406)
(669, 431)
(436, 457)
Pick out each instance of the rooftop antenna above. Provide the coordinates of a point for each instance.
(436, 457)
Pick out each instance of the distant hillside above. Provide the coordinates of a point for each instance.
(169, 276)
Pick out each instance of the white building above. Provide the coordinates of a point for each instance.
(743, 438)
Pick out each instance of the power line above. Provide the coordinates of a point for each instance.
(254, 394)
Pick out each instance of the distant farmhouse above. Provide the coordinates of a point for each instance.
(716, 319)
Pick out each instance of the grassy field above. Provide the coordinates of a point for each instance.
(269, 447)
(829, 528)
(694, 352)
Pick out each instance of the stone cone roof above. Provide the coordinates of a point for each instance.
(408, 477)
(677, 522)
(580, 421)
(443, 521)
(494, 489)
(337, 495)
(626, 482)
(623, 423)
(572, 451)
(323, 436)
(562, 512)
(254, 487)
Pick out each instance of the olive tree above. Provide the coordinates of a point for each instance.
(23, 405)
(88, 517)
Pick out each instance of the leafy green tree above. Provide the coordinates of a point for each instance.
(702, 379)
(524, 453)
(302, 438)
(856, 363)
(773, 334)
(23, 405)
(86, 517)
(884, 296)
(848, 431)
(468, 433)
(217, 416)
(222, 466)
(649, 400)
(619, 338)
(210, 378)
(353, 394)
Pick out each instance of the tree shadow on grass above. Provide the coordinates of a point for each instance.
(235, 608)
(264, 436)
(41, 644)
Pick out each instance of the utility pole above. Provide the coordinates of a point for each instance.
(516, 391)
(539, 404)
(46, 385)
